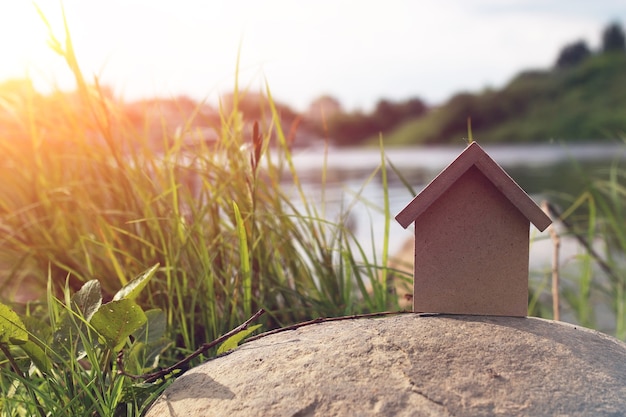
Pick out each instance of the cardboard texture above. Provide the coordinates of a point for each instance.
(472, 225)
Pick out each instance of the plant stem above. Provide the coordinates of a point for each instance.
(206, 346)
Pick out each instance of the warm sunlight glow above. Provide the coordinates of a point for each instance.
(359, 54)
(23, 37)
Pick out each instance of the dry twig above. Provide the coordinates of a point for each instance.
(154, 376)
(556, 241)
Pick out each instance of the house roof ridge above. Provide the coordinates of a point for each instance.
(474, 155)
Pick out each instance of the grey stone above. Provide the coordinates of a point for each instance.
(411, 365)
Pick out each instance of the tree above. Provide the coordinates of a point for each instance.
(613, 38)
(324, 107)
(354, 128)
(414, 107)
(385, 115)
(350, 129)
(573, 54)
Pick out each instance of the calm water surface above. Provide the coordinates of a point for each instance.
(353, 179)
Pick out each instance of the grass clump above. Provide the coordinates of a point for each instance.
(90, 198)
(597, 219)
(88, 195)
(66, 358)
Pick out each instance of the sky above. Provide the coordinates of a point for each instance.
(358, 51)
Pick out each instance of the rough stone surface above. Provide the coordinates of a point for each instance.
(411, 365)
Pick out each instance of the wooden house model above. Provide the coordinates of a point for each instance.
(472, 226)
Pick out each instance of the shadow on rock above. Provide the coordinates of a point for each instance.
(197, 385)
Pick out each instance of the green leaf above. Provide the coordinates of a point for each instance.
(143, 357)
(149, 343)
(12, 330)
(88, 299)
(131, 290)
(69, 336)
(244, 257)
(233, 341)
(139, 393)
(154, 328)
(40, 333)
(117, 320)
(67, 342)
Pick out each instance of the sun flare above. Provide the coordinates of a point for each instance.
(24, 48)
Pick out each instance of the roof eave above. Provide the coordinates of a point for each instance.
(474, 155)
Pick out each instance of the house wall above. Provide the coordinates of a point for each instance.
(471, 252)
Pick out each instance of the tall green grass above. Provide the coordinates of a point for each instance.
(87, 196)
(597, 218)
(63, 359)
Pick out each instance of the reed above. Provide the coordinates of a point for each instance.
(87, 195)
(597, 219)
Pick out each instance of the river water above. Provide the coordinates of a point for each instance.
(353, 179)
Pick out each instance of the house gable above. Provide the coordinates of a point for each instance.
(474, 155)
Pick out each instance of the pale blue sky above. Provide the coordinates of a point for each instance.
(358, 51)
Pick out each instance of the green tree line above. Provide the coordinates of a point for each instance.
(581, 97)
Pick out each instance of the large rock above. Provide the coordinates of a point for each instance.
(411, 365)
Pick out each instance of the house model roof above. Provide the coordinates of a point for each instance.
(474, 155)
